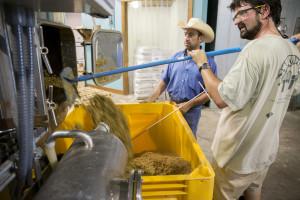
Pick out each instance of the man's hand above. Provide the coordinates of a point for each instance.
(184, 109)
(199, 57)
(298, 38)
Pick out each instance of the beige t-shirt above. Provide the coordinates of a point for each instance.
(257, 90)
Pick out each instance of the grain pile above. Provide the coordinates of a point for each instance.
(103, 109)
(52, 79)
(58, 89)
(159, 163)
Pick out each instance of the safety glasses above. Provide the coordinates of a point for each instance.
(243, 13)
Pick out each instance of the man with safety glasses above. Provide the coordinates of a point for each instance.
(254, 95)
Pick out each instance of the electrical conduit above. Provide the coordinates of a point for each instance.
(29, 58)
(15, 16)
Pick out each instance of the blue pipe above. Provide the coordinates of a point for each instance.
(211, 53)
(294, 40)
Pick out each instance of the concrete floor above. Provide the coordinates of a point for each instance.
(283, 179)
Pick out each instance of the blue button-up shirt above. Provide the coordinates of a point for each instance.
(182, 78)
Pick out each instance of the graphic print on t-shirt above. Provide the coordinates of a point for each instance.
(287, 75)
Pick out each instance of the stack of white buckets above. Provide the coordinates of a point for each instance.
(145, 80)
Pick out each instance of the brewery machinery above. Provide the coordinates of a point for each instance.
(31, 51)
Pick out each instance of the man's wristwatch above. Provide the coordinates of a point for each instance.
(204, 66)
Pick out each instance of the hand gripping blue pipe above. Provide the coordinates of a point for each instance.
(162, 62)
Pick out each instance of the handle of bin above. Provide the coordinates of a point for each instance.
(211, 53)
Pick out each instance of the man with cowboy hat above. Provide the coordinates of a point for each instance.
(181, 79)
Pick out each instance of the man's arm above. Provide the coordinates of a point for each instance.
(210, 80)
(160, 88)
(195, 102)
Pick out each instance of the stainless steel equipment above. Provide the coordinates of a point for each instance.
(31, 49)
(85, 173)
(95, 8)
(107, 53)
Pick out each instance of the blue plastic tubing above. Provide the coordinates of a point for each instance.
(211, 53)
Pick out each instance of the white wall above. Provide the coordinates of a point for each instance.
(156, 26)
(227, 36)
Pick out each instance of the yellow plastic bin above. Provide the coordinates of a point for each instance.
(172, 134)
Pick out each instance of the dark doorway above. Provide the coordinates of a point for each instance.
(212, 13)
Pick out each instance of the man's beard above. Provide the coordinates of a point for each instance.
(250, 34)
(190, 48)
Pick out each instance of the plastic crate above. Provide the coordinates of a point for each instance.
(172, 134)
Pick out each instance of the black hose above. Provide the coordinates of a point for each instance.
(29, 55)
(15, 16)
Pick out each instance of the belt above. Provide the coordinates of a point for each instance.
(177, 102)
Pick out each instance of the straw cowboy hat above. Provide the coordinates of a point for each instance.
(199, 25)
